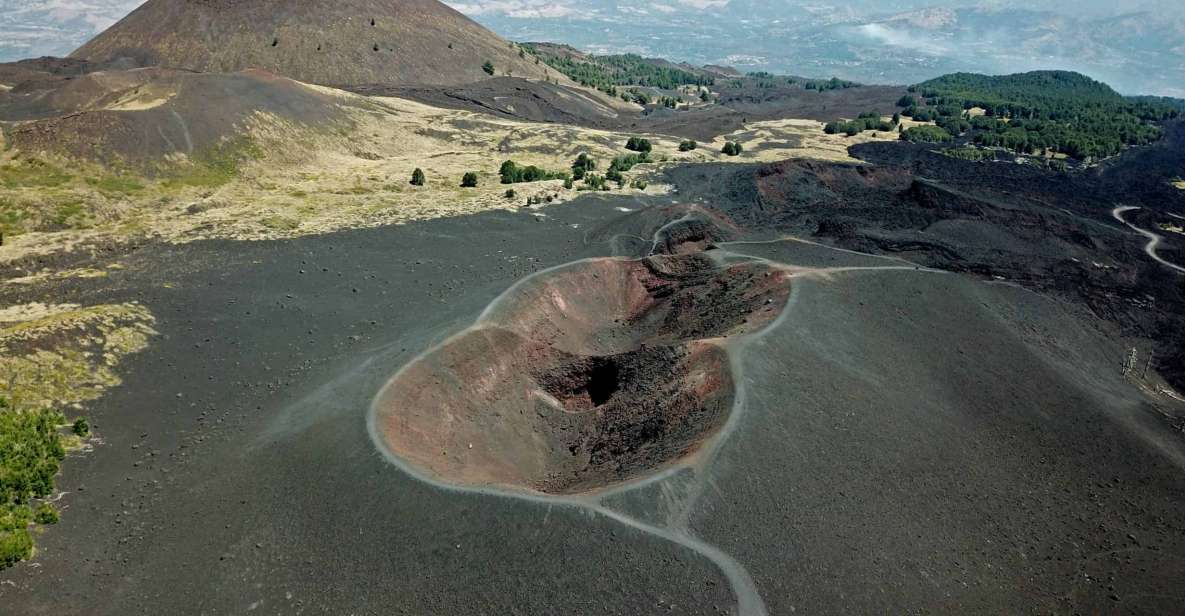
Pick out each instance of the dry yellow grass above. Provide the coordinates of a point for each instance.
(140, 100)
(310, 182)
(64, 354)
(782, 139)
(1180, 184)
(32, 311)
(48, 274)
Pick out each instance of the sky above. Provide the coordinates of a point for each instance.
(573, 8)
(874, 41)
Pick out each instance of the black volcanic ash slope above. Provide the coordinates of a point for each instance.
(329, 42)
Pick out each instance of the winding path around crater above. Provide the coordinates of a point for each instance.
(595, 499)
(1153, 239)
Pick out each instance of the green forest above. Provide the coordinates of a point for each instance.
(607, 73)
(1037, 112)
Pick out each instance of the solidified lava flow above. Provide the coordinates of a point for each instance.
(584, 377)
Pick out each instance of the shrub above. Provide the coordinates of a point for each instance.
(46, 514)
(627, 162)
(593, 181)
(15, 546)
(869, 120)
(732, 149)
(488, 67)
(14, 517)
(510, 194)
(638, 97)
(688, 145)
(82, 427)
(638, 144)
(970, 153)
(513, 174)
(417, 177)
(568, 183)
(469, 180)
(31, 452)
(583, 164)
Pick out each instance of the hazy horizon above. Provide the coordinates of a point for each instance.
(1137, 47)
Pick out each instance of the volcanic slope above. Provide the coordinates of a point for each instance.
(327, 42)
(150, 119)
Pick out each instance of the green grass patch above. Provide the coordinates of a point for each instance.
(115, 185)
(968, 153)
(32, 174)
(215, 166)
(13, 219)
(68, 214)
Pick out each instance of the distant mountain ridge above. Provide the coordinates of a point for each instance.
(1136, 52)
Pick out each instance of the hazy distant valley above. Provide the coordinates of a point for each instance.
(1139, 53)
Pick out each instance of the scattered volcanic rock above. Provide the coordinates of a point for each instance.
(328, 42)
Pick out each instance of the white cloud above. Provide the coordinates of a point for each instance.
(703, 4)
(519, 9)
(897, 37)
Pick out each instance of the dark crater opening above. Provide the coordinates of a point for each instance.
(602, 381)
(690, 236)
(583, 384)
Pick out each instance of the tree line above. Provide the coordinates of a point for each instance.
(611, 72)
(1041, 111)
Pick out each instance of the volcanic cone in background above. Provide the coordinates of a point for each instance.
(328, 42)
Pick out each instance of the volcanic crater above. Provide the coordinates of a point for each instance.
(584, 377)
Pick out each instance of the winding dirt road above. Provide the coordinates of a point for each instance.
(1153, 239)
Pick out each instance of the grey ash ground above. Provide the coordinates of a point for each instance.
(910, 440)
